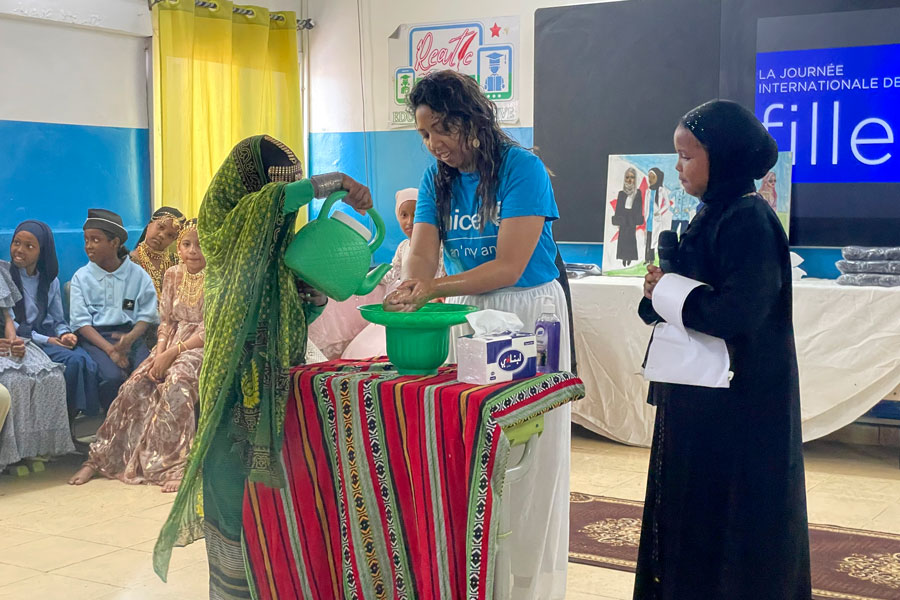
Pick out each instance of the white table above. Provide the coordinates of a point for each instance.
(848, 348)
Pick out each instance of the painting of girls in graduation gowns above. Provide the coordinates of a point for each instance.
(659, 205)
(631, 235)
(628, 216)
(638, 208)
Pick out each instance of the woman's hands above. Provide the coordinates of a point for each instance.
(412, 295)
(358, 196)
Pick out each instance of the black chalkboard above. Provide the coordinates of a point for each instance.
(614, 78)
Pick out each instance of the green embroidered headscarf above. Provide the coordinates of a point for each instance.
(256, 326)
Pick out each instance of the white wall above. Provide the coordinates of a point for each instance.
(63, 74)
(79, 62)
(123, 16)
(336, 68)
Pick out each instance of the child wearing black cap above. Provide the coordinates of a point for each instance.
(113, 302)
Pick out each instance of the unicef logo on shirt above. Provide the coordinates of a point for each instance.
(511, 360)
(463, 222)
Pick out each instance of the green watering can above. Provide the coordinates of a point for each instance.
(333, 254)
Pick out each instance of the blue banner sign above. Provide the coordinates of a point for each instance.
(836, 109)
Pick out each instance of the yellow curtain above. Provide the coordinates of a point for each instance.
(219, 76)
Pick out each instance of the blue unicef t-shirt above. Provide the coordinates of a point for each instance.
(524, 191)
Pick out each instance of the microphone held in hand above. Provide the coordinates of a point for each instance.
(668, 251)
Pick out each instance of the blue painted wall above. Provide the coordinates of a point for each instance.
(397, 159)
(54, 173)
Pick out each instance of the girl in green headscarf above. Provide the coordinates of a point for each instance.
(256, 318)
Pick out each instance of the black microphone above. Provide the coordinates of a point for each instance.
(668, 251)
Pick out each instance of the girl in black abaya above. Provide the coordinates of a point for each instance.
(725, 512)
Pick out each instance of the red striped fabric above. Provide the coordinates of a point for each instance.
(389, 484)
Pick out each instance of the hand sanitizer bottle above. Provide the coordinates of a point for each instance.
(547, 333)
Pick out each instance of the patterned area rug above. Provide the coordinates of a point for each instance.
(847, 564)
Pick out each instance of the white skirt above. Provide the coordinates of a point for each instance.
(538, 504)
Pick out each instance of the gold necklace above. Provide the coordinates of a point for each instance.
(191, 289)
(146, 256)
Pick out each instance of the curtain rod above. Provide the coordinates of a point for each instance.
(247, 12)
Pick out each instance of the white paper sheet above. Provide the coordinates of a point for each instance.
(678, 354)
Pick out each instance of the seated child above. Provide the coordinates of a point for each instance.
(405, 208)
(37, 424)
(39, 313)
(113, 303)
(152, 252)
(150, 425)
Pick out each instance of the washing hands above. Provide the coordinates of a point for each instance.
(412, 295)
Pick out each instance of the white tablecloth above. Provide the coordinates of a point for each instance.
(848, 348)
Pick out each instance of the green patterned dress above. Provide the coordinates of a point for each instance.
(256, 326)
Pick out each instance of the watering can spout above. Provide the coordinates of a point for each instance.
(372, 279)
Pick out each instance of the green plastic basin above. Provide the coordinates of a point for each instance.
(418, 342)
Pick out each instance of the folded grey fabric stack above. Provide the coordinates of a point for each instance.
(580, 270)
(869, 266)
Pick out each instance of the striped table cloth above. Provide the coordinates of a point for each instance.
(393, 484)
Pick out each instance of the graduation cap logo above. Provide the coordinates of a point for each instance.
(495, 82)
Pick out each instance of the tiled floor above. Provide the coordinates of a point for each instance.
(94, 541)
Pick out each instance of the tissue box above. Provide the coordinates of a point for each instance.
(492, 359)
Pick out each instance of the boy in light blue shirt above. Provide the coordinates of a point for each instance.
(113, 303)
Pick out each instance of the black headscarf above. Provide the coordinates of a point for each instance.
(739, 147)
(162, 213)
(655, 187)
(47, 268)
(659, 178)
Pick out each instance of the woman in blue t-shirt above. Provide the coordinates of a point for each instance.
(490, 203)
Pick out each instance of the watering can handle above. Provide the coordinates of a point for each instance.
(376, 218)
